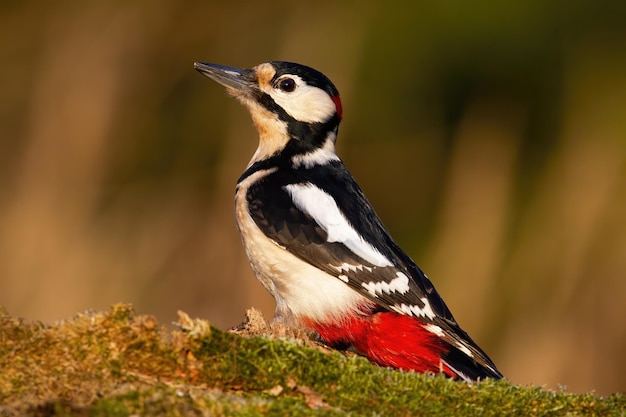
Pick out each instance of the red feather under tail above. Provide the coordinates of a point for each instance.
(388, 339)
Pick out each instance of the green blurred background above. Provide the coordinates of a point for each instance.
(490, 136)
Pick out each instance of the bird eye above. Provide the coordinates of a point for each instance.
(287, 85)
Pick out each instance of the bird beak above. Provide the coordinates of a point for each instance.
(232, 78)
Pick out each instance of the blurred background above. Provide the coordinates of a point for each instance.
(490, 136)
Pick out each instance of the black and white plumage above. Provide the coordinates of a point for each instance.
(316, 243)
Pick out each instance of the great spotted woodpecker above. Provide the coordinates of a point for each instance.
(317, 245)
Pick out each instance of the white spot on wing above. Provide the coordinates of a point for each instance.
(433, 328)
(413, 310)
(399, 284)
(345, 267)
(324, 210)
(427, 310)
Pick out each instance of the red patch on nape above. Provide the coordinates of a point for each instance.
(337, 102)
(388, 339)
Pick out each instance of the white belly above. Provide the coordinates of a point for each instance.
(300, 289)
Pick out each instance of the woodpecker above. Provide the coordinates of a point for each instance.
(315, 242)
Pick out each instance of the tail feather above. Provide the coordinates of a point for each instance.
(468, 369)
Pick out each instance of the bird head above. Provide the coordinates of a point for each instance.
(295, 108)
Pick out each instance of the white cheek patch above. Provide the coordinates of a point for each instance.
(306, 103)
(324, 210)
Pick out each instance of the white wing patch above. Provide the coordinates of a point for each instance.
(324, 210)
(399, 284)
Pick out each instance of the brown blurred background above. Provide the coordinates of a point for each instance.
(490, 137)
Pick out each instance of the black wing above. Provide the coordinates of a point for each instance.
(304, 210)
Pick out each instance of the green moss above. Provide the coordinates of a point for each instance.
(118, 364)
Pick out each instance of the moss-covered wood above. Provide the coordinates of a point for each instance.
(115, 363)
